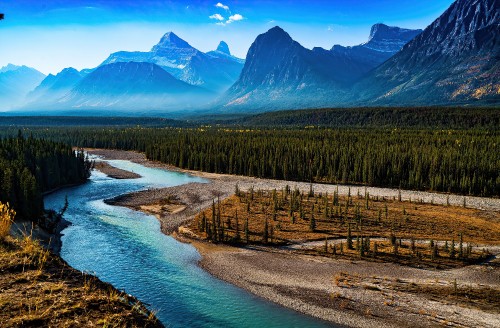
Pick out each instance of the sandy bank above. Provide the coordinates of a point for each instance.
(352, 293)
(114, 172)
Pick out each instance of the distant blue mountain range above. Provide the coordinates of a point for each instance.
(455, 60)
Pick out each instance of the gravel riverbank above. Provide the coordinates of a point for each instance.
(348, 292)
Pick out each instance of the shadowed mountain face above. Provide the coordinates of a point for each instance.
(176, 56)
(15, 83)
(132, 85)
(454, 60)
(280, 73)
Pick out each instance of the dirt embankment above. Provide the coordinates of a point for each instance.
(38, 289)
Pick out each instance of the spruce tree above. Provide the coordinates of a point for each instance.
(452, 249)
(247, 231)
(461, 247)
(349, 236)
(312, 223)
(265, 234)
(237, 235)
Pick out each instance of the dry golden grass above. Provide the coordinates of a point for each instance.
(366, 217)
(39, 289)
(6, 218)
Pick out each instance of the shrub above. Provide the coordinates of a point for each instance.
(6, 218)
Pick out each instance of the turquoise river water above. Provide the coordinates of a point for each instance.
(127, 249)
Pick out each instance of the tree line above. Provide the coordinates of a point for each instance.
(457, 161)
(30, 167)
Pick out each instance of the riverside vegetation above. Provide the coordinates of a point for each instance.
(457, 161)
(30, 167)
(353, 226)
(38, 289)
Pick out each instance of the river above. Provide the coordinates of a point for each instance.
(127, 249)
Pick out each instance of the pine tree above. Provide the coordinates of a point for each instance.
(247, 231)
(312, 223)
(452, 249)
(237, 236)
(349, 237)
(362, 247)
(265, 234)
(461, 247)
(203, 222)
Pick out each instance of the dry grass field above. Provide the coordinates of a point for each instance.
(381, 229)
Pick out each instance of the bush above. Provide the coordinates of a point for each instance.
(6, 219)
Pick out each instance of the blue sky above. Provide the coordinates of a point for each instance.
(54, 34)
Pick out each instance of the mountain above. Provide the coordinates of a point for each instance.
(223, 52)
(179, 58)
(455, 60)
(132, 85)
(280, 73)
(15, 83)
(54, 87)
(384, 41)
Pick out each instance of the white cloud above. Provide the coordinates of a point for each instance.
(234, 18)
(330, 28)
(220, 5)
(217, 17)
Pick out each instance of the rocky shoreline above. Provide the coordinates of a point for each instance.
(345, 292)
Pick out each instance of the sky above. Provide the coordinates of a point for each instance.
(55, 34)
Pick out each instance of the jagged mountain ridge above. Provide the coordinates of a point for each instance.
(456, 59)
(280, 73)
(186, 63)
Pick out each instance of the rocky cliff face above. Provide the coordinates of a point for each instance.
(280, 73)
(384, 41)
(454, 60)
(389, 39)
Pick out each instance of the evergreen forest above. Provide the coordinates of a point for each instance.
(444, 160)
(30, 167)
